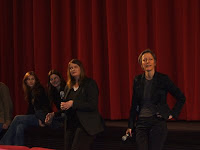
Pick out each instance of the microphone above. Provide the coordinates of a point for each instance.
(62, 94)
(125, 137)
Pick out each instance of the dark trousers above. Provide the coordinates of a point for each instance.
(151, 133)
(78, 139)
(15, 133)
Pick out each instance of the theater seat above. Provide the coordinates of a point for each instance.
(9, 147)
(39, 148)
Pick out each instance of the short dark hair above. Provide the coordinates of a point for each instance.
(144, 52)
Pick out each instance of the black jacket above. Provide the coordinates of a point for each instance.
(86, 107)
(40, 105)
(160, 87)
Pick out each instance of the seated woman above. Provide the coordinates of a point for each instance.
(38, 107)
(56, 86)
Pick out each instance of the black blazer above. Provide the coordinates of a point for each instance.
(86, 106)
(160, 87)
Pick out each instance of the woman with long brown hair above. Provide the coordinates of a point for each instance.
(56, 85)
(38, 107)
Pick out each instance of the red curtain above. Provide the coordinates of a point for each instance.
(107, 36)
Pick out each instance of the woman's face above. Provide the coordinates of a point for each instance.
(30, 81)
(55, 80)
(74, 70)
(148, 62)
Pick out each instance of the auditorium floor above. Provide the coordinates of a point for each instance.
(172, 125)
(182, 135)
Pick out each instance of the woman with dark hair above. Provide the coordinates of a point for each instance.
(81, 108)
(38, 107)
(56, 86)
(149, 104)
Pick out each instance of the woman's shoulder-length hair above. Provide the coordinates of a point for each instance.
(71, 80)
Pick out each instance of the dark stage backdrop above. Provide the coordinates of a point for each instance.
(107, 36)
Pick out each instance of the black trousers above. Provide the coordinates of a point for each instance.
(151, 133)
(78, 139)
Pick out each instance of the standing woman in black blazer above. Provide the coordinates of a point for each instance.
(81, 108)
(149, 104)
